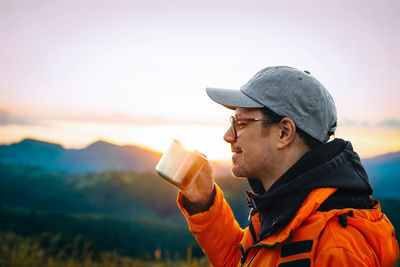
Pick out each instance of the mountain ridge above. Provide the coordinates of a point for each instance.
(98, 156)
(387, 157)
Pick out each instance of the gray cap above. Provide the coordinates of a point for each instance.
(288, 92)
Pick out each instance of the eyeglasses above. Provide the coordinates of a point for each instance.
(235, 122)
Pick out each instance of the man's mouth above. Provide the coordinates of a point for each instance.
(236, 154)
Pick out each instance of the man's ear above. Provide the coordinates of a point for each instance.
(287, 132)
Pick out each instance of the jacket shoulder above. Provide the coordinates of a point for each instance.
(366, 236)
(343, 244)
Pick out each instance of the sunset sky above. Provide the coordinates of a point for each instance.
(135, 72)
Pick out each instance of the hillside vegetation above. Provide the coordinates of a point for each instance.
(127, 213)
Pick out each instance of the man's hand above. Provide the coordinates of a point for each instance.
(200, 196)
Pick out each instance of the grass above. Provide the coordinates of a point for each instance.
(18, 251)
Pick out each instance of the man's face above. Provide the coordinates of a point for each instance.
(253, 149)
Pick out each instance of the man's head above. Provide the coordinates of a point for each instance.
(287, 92)
(279, 114)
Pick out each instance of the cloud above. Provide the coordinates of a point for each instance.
(350, 122)
(7, 118)
(389, 123)
(121, 118)
(46, 119)
(113, 118)
(392, 123)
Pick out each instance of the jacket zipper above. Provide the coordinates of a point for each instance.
(245, 253)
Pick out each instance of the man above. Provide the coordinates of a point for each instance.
(310, 204)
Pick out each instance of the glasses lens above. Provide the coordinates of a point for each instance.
(233, 126)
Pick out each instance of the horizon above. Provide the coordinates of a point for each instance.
(226, 160)
(136, 72)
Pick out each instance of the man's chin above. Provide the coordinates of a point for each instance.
(238, 173)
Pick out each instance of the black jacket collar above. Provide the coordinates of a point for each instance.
(334, 164)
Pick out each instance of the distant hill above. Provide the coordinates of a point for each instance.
(385, 158)
(384, 174)
(97, 157)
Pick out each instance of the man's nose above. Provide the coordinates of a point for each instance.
(228, 136)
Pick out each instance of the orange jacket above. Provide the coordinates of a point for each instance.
(346, 237)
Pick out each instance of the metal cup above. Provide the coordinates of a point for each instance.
(179, 166)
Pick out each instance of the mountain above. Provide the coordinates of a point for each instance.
(384, 174)
(97, 157)
(30, 152)
(385, 158)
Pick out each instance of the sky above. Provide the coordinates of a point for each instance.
(135, 72)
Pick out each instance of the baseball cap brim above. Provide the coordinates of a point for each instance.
(232, 99)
